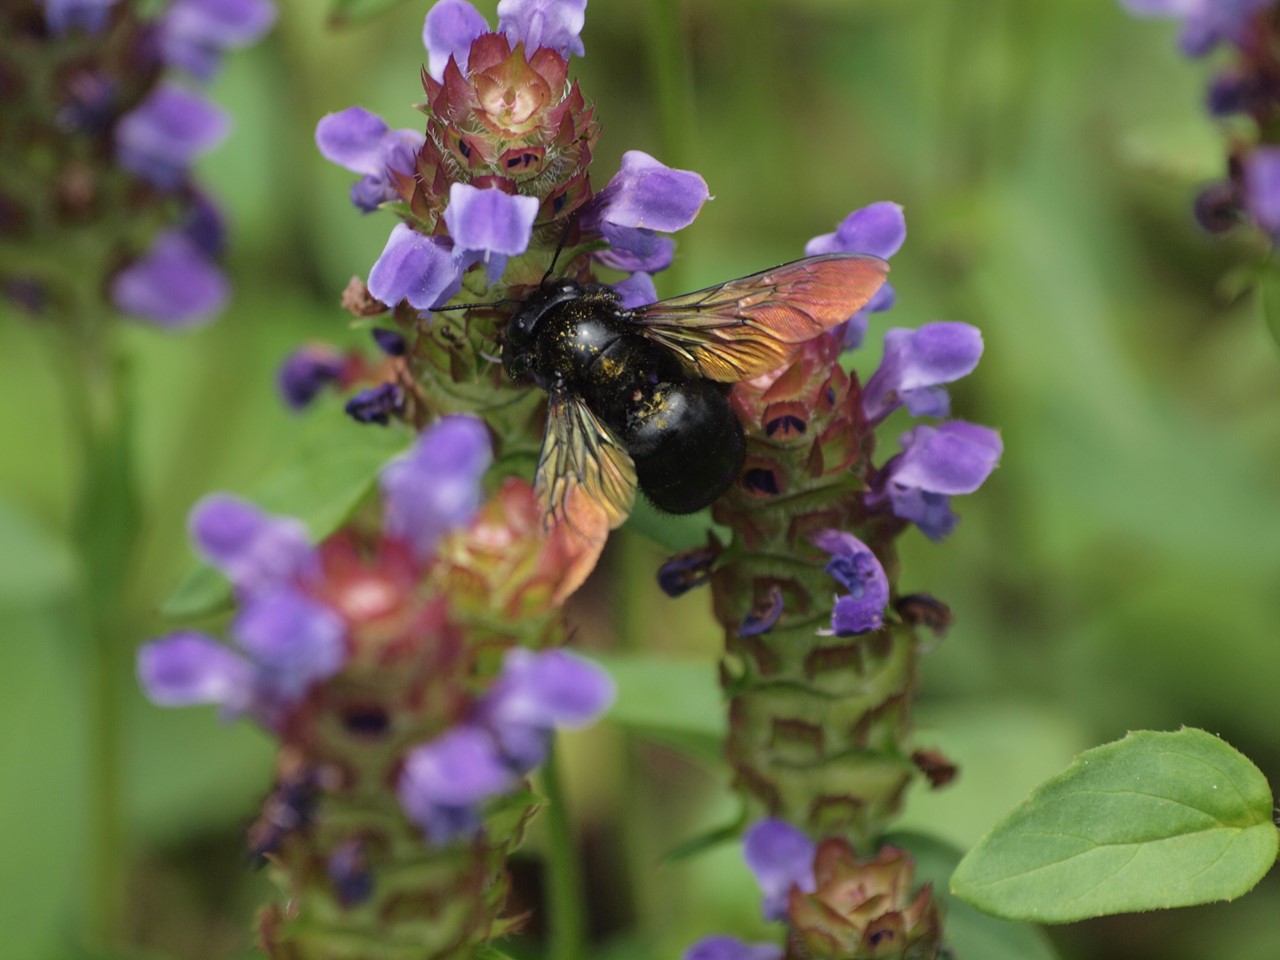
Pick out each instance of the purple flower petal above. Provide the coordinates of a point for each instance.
(87, 15)
(1262, 187)
(635, 250)
(556, 24)
(879, 229)
(416, 268)
(306, 372)
(174, 285)
(361, 142)
(450, 29)
(194, 33)
(390, 342)
(636, 290)
(295, 641)
(377, 404)
(255, 551)
(189, 668)
(952, 458)
(857, 569)
(915, 362)
(203, 225)
(781, 857)
(160, 138)
(646, 193)
(490, 219)
(458, 768)
(435, 487)
(730, 948)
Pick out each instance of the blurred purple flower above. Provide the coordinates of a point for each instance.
(416, 268)
(1205, 23)
(189, 668)
(443, 782)
(257, 552)
(306, 372)
(174, 285)
(854, 567)
(879, 230)
(730, 948)
(361, 142)
(556, 24)
(194, 33)
(781, 857)
(915, 363)
(294, 640)
(935, 464)
(1262, 188)
(160, 138)
(636, 290)
(376, 405)
(449, 30)
(88, 15)
(390, 342)
(435, 487)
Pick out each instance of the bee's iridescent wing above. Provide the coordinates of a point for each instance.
(743, 328)
(585, 480)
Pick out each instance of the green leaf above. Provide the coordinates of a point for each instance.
(1152, 821)
(34, 564)
(1188, 150)
(972, 934)
(320, 482)
(1269, 297)
(346, 13)
(673, 701)
(709, 839)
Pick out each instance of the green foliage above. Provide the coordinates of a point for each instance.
(671, 701)
(346, 13)
(1155, 820)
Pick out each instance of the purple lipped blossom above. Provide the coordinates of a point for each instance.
(731, 948)
(174, 285)
(449, 30)
(435, 486)
(445, 781)
(257, 552)
(294, 640)
(160, 138)
(306, 372)
(390, 342)
(637, 290)
(376, 405)
(362, 142)
(193, 34)
(416, 268)
(452, 26)
(1262, 188)
(190, 668)
(1205, 23)
(489, 225)
(880, 230)
(854, 567)
(87, 15)
(915, 363)
(781, 857)
(935, 464)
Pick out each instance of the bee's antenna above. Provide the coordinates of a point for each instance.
(469, 306)
(559, 247)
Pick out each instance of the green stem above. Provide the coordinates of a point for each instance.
(565, 916)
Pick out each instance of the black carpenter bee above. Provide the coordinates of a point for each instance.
(637, 397)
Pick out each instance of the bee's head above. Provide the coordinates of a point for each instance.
(523, 328)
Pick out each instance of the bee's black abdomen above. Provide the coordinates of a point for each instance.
(688, 447)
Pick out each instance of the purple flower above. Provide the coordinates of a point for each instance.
(435, 487)
(376, 405)
(781, 857)
(636, 290)
(188, 668)
(854, 567)
(1205, 23)
(390, 342)
(294, 640)
(159, 139)
(537, 693)
(194, 33)
(257, 552)
(174, 285)
(449, 30)
(544, 23)
(306, 372)
(361, 142)
(632, 250)
(1262, 187)
(730, 948)
(489, 225)
(444, 781)
(416, 268)
(935, 464)
(915, 363)
(88, 15)
(880, 230)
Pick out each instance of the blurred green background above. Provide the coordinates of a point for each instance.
(1120, 570)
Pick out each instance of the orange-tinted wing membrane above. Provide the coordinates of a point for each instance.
(746, 327)
(585, 480)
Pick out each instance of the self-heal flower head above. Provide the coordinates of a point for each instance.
(174, 285)
(1205, 23)
(854, 567)
(362, 142)
(915, 363)
(87, 15)
(254, 550)
(731, 948)
(879, 230)
(936, 463)
(435, 487)
(781, 857)
(194, 34)
(160, 138)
